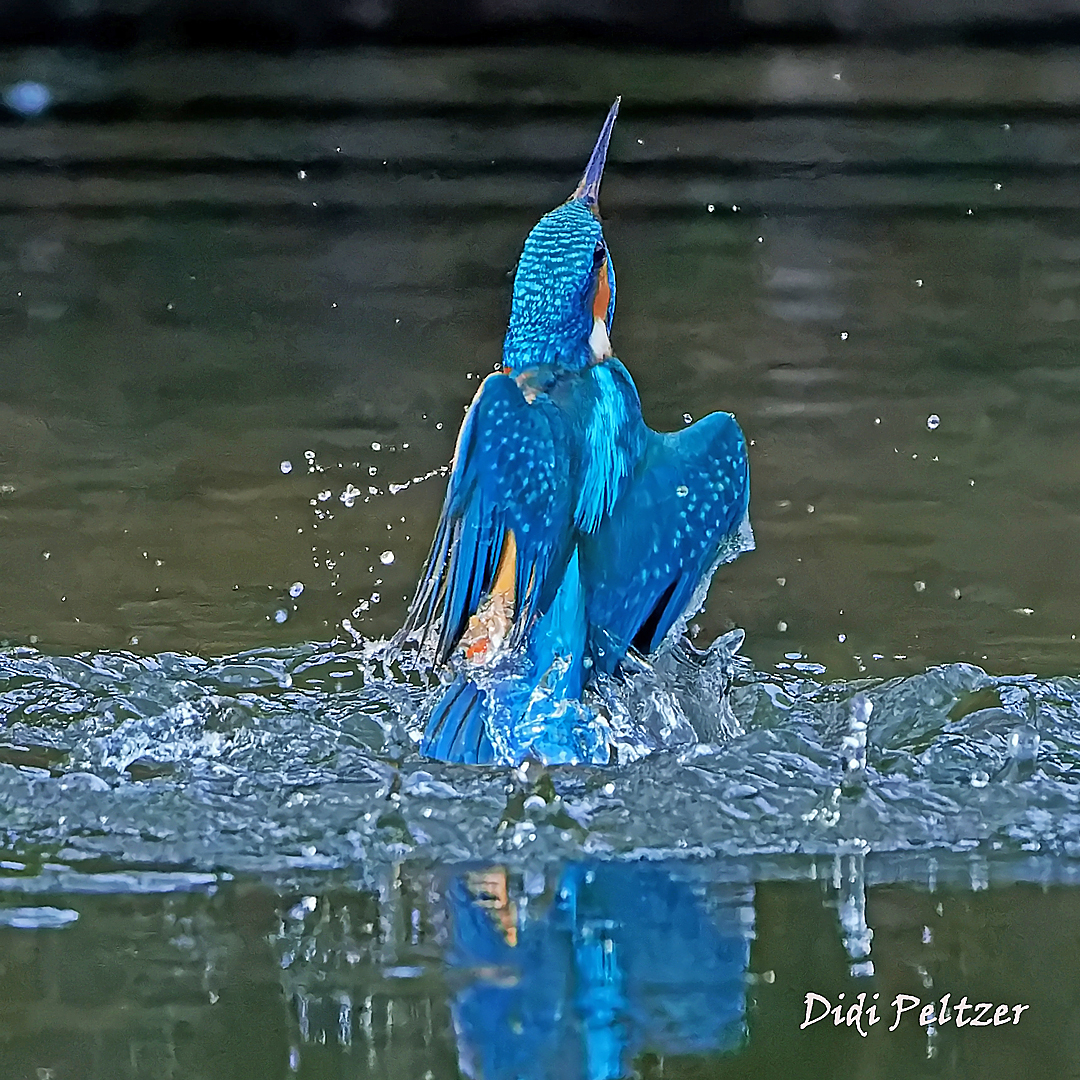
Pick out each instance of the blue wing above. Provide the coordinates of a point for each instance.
(511, 472)
(652, 557)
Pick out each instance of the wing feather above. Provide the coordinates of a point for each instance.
(653, 556)
(511, 472)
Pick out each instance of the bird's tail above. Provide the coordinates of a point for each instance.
(526, 700)
(455, 729)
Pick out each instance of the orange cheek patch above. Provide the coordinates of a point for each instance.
(603, 294)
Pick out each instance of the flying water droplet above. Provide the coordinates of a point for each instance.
(979, 779)
(286, 467)
(386, 558)
(296, 588)
(933, 421)
(280, 615)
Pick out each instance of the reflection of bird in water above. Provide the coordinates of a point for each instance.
(622, 960)
(571, 533)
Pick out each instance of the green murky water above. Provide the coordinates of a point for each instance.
(243, 303)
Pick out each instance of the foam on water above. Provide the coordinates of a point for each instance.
(303, 758)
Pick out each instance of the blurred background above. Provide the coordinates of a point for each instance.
(255, 258)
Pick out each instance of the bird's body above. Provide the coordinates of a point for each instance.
(570, 532)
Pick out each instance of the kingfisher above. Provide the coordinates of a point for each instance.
(573, 539)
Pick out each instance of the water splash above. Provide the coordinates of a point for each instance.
(305, 757)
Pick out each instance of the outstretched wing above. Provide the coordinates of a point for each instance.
(653, 557)
(512, 474)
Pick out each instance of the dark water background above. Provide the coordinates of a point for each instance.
(210, 267)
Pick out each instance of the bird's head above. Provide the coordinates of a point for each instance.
(564, 287)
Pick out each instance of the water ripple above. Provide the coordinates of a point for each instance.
(304, 758)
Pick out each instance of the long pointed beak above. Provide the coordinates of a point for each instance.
(588, 191)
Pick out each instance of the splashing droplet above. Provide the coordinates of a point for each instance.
(296, 588)
(1023, 743)
(386, 558)
(933, 421)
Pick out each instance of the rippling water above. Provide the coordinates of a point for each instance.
(304, 757)
(242, 306)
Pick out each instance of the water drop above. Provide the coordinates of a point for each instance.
(301, 175)
(1023, 743)
(296, 588)
(687, 418)
(933, 421)
(979, 779)
(920, 586)
(376, 446)
(711, 208)
(280, 615)
(853, 744)
(782, 626)
(386, 558)
(286, 467)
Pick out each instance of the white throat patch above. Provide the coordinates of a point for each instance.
(598, 340)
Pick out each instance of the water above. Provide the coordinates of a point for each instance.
(239, 325)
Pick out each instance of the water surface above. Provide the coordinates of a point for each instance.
(243, 305)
